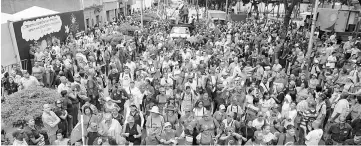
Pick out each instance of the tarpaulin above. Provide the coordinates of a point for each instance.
(327, 19)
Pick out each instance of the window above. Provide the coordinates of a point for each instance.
(87, 22)
(97, 19)
(108, 17)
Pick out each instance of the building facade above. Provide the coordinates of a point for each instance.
(93, 13)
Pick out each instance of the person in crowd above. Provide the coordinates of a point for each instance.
(62, 113)
(51, 121)
(11, 87)
(355, 141)
(60, 138)
(33, 133)
(111, 128)
(314, 136)
(132, 131)
(154, 126)
(27, 80)
(339, 132)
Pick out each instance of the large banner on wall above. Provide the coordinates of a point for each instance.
(44, 30)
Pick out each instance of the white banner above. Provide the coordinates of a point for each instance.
(34, 30)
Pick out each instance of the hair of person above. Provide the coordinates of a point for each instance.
(61, 131)
(358, 133)
(318, 88)
(112, 141)
(289, 127)
(88, 107)
(265, 126)
(197, 103)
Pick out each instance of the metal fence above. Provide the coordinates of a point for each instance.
(24, 66)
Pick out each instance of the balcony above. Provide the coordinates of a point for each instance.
(92, 3)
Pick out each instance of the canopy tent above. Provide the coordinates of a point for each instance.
(32, 12)
(8, 51)
(5, 17)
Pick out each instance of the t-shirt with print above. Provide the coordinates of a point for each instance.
(314, 137)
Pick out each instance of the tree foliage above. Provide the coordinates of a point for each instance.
(27, 104)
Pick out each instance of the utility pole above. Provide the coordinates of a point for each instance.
(310, 43)
(207, 8)
(227, 7)
(141, 14)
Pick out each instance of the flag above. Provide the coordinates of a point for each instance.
(327, 19)
(76, 134)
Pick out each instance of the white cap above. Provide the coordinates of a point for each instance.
(222, 106)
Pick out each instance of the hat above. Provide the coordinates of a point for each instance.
(187, 109)
(167, 124)
(170, 108)
(154, 109)
(316, 61)
(222, 106)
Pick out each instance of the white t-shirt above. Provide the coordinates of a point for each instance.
(314, 137)
(341, 107)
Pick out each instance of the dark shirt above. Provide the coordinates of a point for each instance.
(114, 76)
(91, 137)
(351, 142)
(340, 132)
(356, 126)
(247, 132)
(31, 133)
(115, 95)
(69, 75)
(11, 88)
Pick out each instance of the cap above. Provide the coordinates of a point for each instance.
(167, 124)
(222, 106)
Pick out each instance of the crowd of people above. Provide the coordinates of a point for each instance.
(245, 83)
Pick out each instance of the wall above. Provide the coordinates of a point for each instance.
(110, 5)
(14, 6)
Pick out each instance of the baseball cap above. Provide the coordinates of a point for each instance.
(222, 106)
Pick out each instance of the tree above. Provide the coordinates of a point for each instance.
(27, 103)
(288, 12)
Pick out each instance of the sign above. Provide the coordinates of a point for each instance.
(45, 30)
(33, 30)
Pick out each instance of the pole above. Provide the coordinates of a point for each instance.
(310, 43)
(207, 8)
(227, 8)
(82, 129)
(141, 14)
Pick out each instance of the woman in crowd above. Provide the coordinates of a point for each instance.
(60, 138)
(51, 121)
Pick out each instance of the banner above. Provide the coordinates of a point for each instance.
(46, 30)
(33, 30)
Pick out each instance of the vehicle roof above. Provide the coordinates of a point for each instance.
(181, 25)
(216, 11)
